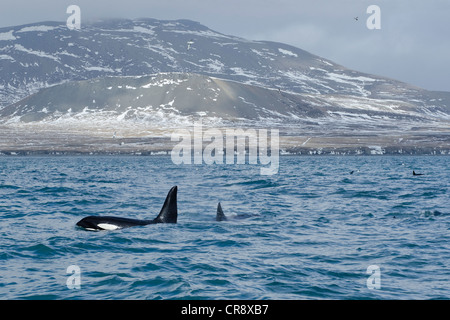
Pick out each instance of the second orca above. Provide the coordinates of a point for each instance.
(220, 216)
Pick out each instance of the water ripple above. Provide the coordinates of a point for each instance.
(310, 232)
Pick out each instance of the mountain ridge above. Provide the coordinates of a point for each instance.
(36, 56)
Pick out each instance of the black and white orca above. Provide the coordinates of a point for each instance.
(168, 214)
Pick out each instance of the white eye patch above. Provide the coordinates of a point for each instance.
(107, 226)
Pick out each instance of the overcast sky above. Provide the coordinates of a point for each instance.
(413, 44)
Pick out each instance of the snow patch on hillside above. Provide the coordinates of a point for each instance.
(7, 36)
(41, 54)
(41, 28)
(288, 53)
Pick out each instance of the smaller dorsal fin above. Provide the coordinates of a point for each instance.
(220, 215)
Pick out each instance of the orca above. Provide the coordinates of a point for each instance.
(168, 214)
(220, 216)
(417, 174)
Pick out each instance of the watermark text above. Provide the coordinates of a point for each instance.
(227, 146)
(74, 280)
(74, 20)
(374, 280)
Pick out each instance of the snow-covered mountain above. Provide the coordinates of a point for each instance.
(166, 73)
(39, 55)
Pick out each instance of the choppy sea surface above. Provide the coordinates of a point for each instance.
(313, 231)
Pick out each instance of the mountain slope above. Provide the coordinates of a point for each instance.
(185, 97)
(157, 96)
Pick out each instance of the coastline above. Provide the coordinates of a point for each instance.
(163, 146)
(143, 140)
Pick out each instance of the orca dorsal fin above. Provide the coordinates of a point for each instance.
(220, 215)
(169, 211)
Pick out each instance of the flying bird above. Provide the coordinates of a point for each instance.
(356, 18)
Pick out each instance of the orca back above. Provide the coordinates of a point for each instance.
(220, 216)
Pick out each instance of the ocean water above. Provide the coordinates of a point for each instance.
(314, 231)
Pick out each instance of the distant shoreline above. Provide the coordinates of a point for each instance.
(101, 141)
(364, 151)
